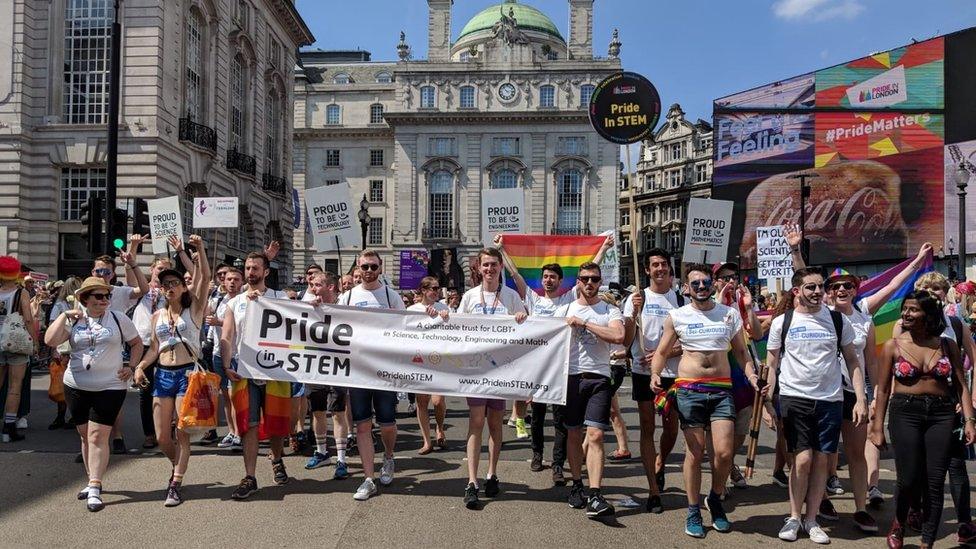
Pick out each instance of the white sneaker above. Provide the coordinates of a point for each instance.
(790, 530)
(227, 441)
(365, 491)
(816, 533)
(386, 473)
(22, 423)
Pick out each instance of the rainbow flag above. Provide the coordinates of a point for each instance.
(276, 419)
(530, 252)
(890, 312)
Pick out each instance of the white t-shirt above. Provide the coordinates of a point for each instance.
(420, 307)
(58, 308)
(505, 302)
(308, 296)
(380, 298)
(710, 330)
(809, 364)
(151, 301)
(540, 305)
(587, 352)
(106, 353)
(238, 306)
(121, 299)
(656, 309)
(861, 322)
(216, 331)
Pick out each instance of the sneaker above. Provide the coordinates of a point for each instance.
(237, 446)
(83, 493)
(720, 521)
(557, 475)
(280, 475)
(10, 433)
(866, 522)
(576, 498)
(896, 536)
(386, 473)
(491, 486)
(521, 432)
(248, 486)
(914, 520)
(118, 446)
(619, 457)
(341, 471)
(149, 442)
(833, 486)
(227, 441)
(735, 475)
(94, 502)
(816, 533)
(827, 511)
(173, 496)
(791, 530)
(365, 491)
(22, 423)
(411, 408)
(209, 438)
(511, 421)
(659, 477)
(965, 534)
(780, 479)
(654, 505)
(317, 460)
(596, 506)
(536, 465)
(471, 496)
(693, 525)
(875, 497)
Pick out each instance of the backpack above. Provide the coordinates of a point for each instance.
(835, 316)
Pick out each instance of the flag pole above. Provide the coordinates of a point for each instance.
(632, 180)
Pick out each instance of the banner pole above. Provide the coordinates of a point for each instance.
(632, 179)
(216, 238)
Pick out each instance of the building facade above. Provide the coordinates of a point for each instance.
(501, 105)
(205, 110)
(673, 167)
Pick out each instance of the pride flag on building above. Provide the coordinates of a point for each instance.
(890, 312)
(530, 252)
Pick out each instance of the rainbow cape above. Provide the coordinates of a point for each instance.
(530, 252)
(890, 312)
(276, 419)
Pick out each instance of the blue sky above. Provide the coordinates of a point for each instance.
(693, 50)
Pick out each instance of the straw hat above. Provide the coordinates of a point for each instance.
(90, 284)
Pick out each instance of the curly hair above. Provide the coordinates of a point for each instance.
(935, 322)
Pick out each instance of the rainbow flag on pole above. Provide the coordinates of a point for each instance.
(530, 252)
(890, 312)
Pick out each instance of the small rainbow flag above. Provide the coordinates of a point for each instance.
(531, 251)
(890, 312)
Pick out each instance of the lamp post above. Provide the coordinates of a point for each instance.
(804, 194)
(364, 218)
(962, 181)
(952, 248)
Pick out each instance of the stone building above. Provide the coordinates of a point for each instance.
(673, 167)
(501, 104)
(206, 99)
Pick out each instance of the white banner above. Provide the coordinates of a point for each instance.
(333, 213)
(707, 230)
(610, 265)
(214, 212)
(502, 211)
(774, 260)
(164, 220)
(467, 356)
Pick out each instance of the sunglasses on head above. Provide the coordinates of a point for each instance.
(100, 296)
(704, 283)
(811, 287)
(842, 286)
(370, 267)
(590, 279)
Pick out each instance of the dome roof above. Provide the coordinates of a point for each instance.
(528, 18)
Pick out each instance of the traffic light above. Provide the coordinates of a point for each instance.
(91, 223)
(117, 232)
(140, 216)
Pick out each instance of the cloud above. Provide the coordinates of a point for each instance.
(817, 10)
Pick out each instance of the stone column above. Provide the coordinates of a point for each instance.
(439, 30)
(581, 29)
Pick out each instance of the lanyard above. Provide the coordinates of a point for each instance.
(92, 335)
(494, 304)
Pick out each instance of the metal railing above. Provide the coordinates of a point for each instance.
(241, 163)
(273, 184)
(198, 134)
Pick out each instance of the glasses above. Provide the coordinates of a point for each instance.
(221, 274)
(842, 286)
(101, 297)
(370, 267)
(703, 284)
(590, 279)
(171, 283)
(103, 272)
(729, 278)
(812, 287)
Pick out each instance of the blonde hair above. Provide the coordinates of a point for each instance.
(932, 280)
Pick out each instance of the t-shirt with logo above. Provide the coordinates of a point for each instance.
(540, 305)
(809, 365)
(656, 309)
(437, 305)
(380, 298)
(861, 322)
(238, 306)
(588, 353)
(710, 330)
(101, 340)
(504, 302)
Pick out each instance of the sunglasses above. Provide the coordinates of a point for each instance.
(842, 286)
(590, 279)
(171, 283)
(729, 278)
(103, 272)
(812, 287)
(101, 297)
(704, 284)
(370, 267)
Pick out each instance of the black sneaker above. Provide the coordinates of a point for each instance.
(557, 475)
(536, 464)
(576, 498)
(654, 505)
(118, 446)
(660, 480)
(491, 487)
(280, 475)
(596, 506)
(248, 486)
(780, 479)
(209, 438)
(827, 511)
(10, 433)
(471, 496)
(866, 523)
(173, 495)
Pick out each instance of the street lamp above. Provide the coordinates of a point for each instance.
(962, 181)
(804, 194)
(952, 248)
(364, 218)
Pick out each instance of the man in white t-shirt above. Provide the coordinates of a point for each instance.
(805, 346)
(596, 325)
(307, 295)
(232, 281)
(365, 403)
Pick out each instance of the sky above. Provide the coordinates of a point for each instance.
(694, 51)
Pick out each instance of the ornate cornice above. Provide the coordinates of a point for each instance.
(492, 117)
(329, 132)
(288, 15)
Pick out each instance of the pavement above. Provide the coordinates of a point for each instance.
(422, 508)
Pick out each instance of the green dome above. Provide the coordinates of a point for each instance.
(528, 18)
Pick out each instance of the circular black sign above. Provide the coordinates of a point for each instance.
(624, 108)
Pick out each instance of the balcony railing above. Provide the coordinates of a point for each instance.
(570, 231)
(241, 163)
(440, 231)
(198, 134)
(273, 184)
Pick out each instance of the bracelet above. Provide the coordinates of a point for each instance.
(971, 419)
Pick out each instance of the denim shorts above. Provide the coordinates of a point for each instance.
(810, 424)
(697, 409)
(171, 382)
(365, 402)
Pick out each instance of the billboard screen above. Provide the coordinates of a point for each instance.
(844, 136)
(794, 93)
(750, 145)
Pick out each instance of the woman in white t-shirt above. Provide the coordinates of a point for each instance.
(96, 379)
(13, 366)
(430, 291)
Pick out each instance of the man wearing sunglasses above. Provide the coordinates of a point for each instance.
(703, 390)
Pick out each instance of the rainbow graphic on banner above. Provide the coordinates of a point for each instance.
(530, 252)
(890, 312)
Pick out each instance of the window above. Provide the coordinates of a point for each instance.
(442, 146)
(569, 202)
(238, 85)
(674, 240)
(193, 83)
(376, 190)
(701, 173)
(706, 144)
(87, 44)
(242, 14)
(625, 216)
(237, 238)
(374, 235)
(504, 178)
(384, 78)
(274, 52)
(650, 181)
(650, 239)
(77, 186)
(272, 140)
(650, 214)
(465, 56)
(674, 179)
(329, 182)
(186, 211)
(376, 157)
(467, 97)
(547, 96)
(654, 157)
(333, 115)
(676, 151)
(552, 55)
(332, 158)
(505, 146)
(575, 146)
(624, 250)
(428, 97)
(586, 92)
(440, 204)
(375, 114)
(341, 78)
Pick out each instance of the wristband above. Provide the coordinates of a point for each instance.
(971, 419)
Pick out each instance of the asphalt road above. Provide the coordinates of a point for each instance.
(422, 508)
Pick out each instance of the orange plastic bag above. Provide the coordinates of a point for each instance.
(199, 408)
(55, 391)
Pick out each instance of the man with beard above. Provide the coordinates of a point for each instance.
(703, 389)
(231, 282)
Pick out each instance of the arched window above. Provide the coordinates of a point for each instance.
(238, 104)
(547, 96)
(193, 79)
(428, 97)
(586, 92)
(333, 115)
(341, 78)
(440, 204)
(272, 138)
(376, 113)
(467, 97)
(384, 78)
(504, 179)
(569, 202)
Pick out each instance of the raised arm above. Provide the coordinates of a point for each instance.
(59, 330)
(520, 286)
(795, 239)
(879, 298)
(133, 274)
(201, 277)
(177, 245)
(607, 244)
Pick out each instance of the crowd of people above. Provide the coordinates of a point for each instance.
(687, 344)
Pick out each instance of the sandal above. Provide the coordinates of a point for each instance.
(616, 455)
(441, 443)
(425, 450)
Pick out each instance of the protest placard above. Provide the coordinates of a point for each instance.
(164, 220)
(707, 230)
(502, 211)
(215, 212)
(774, 258)
(332, 213)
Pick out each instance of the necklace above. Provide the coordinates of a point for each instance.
(494, 305)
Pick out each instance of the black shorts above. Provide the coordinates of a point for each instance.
(323, 398)
(588, 401)
(101, 407)
(811, 424)
(641, 383)
(849, 401)
(617, 375)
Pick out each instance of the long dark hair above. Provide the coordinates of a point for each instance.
(929, 304)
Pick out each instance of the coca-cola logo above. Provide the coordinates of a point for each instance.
(868, 213)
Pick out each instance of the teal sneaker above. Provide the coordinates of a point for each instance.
(693, 525)
(341, 471)
(317, 460)
(720, 522)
